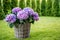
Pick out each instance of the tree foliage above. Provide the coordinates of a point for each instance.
(56, 8)
(14, 3)
(38, 6)
(2, 15)
(28, 3)
(49, 8)
(21, 4)
(33, 4)
(43, 7)
(59, 7)
(6, 6)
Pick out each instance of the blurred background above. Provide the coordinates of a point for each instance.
(43, 7)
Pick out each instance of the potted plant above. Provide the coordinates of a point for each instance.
(21, 20)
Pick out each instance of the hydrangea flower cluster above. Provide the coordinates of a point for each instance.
(15, 10)
(29, 10)
(32, 13)
(35, 16)
(22, 15)
(11, 18)
(18, 15)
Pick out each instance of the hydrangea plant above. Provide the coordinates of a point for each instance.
(21, 16)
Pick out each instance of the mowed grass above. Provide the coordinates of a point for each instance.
(47, 28)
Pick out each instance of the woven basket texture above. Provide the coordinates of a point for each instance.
(22, 30)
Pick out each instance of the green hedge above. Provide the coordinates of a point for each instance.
(46, 8)
(6, 6)
(28, 3)
(49, 8)
(43, 7)
(14, 3)
(33, 4)
(56, 8)
(38, 7)
(21, 4)
(2, 15)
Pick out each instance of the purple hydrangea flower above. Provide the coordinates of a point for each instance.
(11, 18)
(15, 10)
(29, 10)
(35, 16)
(22, 15)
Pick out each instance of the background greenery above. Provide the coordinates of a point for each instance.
(43, 7)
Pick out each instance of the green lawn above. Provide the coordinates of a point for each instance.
(47, 28)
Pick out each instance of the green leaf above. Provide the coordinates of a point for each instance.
(11, 25)
(31, 20)
(17, 21)
(21, 21)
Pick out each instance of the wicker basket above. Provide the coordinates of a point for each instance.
(22, 30)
